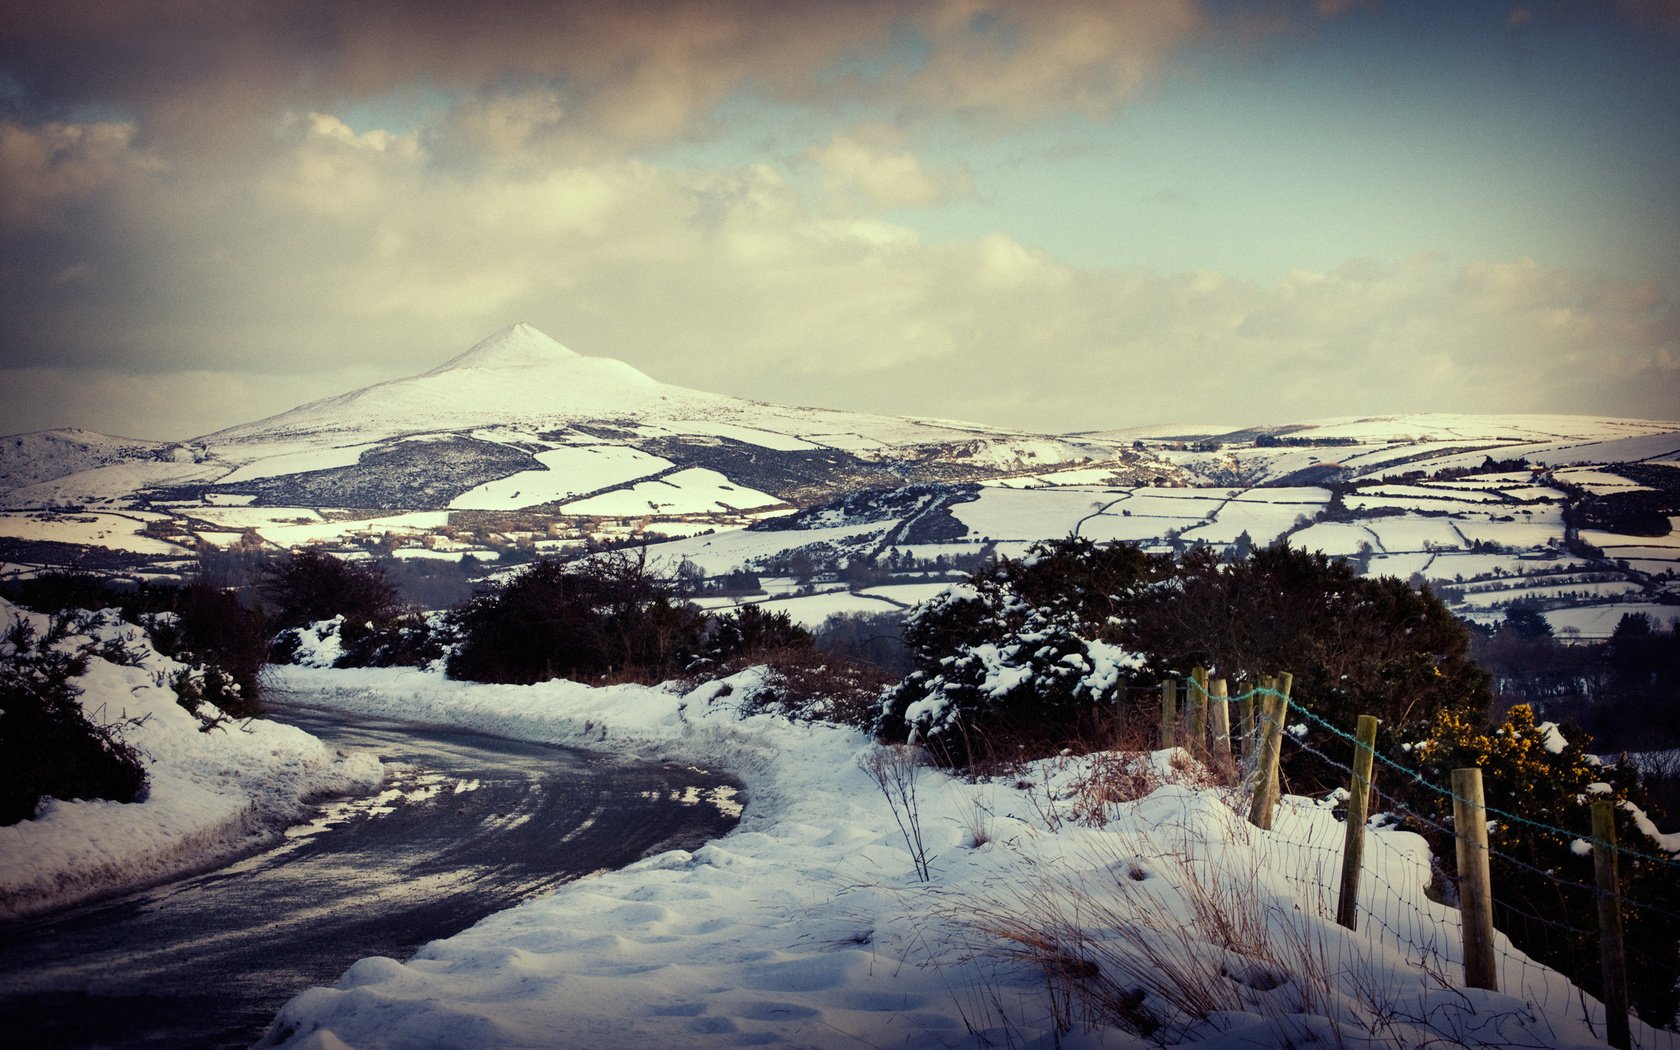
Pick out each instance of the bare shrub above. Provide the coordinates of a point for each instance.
(977, 823)
(808, 685)
(894, 768)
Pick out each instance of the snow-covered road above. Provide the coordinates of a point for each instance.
(467, 825)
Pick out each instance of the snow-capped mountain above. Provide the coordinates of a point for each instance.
(516, 376)
(520, 421)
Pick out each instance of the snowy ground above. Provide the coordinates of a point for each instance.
(809, 926)
(213, 794)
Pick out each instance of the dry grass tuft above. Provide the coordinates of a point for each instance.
(1182, 939)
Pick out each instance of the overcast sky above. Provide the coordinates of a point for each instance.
(1051, 215)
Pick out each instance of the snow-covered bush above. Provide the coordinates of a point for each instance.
(78, 688)
(1024, 657)
(48, 745)
(199, 624)
(410, 639)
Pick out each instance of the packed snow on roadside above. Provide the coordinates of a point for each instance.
(213, 795)
(809, 925)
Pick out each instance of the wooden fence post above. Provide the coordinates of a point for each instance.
(1611, 949)
(1270, 752)
(1169, 713)
(1475, 884)
(1198, 711)
(1359, 810)
(1245, 723)
(1219, 715)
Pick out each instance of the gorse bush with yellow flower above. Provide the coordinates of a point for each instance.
(1539, 783)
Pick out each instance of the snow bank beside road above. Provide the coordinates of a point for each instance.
(213, 795)
(808, 926)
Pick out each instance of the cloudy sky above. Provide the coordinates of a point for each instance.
(1052, 215)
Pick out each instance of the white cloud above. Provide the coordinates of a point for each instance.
(870, 165)
(353, 259)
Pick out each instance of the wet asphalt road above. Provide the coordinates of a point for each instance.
(469, 825)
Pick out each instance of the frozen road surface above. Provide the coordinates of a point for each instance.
(468, 825)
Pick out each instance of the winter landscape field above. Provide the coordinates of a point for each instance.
(821, 921)
(954, 524)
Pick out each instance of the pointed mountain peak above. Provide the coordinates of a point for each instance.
(519, 345)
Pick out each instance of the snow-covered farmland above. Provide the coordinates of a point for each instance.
(1536, 533)
(117, 532)
(414, 523)
(1335, 538)
(570, 471)
(259, 518)
(1431, 493)
(1410, 533)
(692, 491)
(1599, 621)
(1588, 590)
(1466, 565)
(1031, 514)
(301, 461)
(721, 552)
(425, 554)
(1264, 514)
(1617, 545)
(1447, 503)
(812, 609)
(1401, 566)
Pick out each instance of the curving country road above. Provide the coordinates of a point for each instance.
(469, 825)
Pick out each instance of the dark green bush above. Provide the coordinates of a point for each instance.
(309, 585)
(604, 617)
(1033, 650)
(207, 625)
(199, 624)
(1546, 776)
(48, 747)
(748, 630)
(1355, 645)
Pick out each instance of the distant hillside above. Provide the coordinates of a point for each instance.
(29, 459)
(519, 447)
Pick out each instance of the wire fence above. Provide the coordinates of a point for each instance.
(1545, 905)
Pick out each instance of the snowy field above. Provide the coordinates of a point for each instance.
(692, 491)
(1592, 590)
(301, 461)
(118, 532)
(415, 523)
(810, 610)
(1601, 621)
(723, 551)
(567, 472)
(809, 927)
(213, 794)
(1590, 622)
